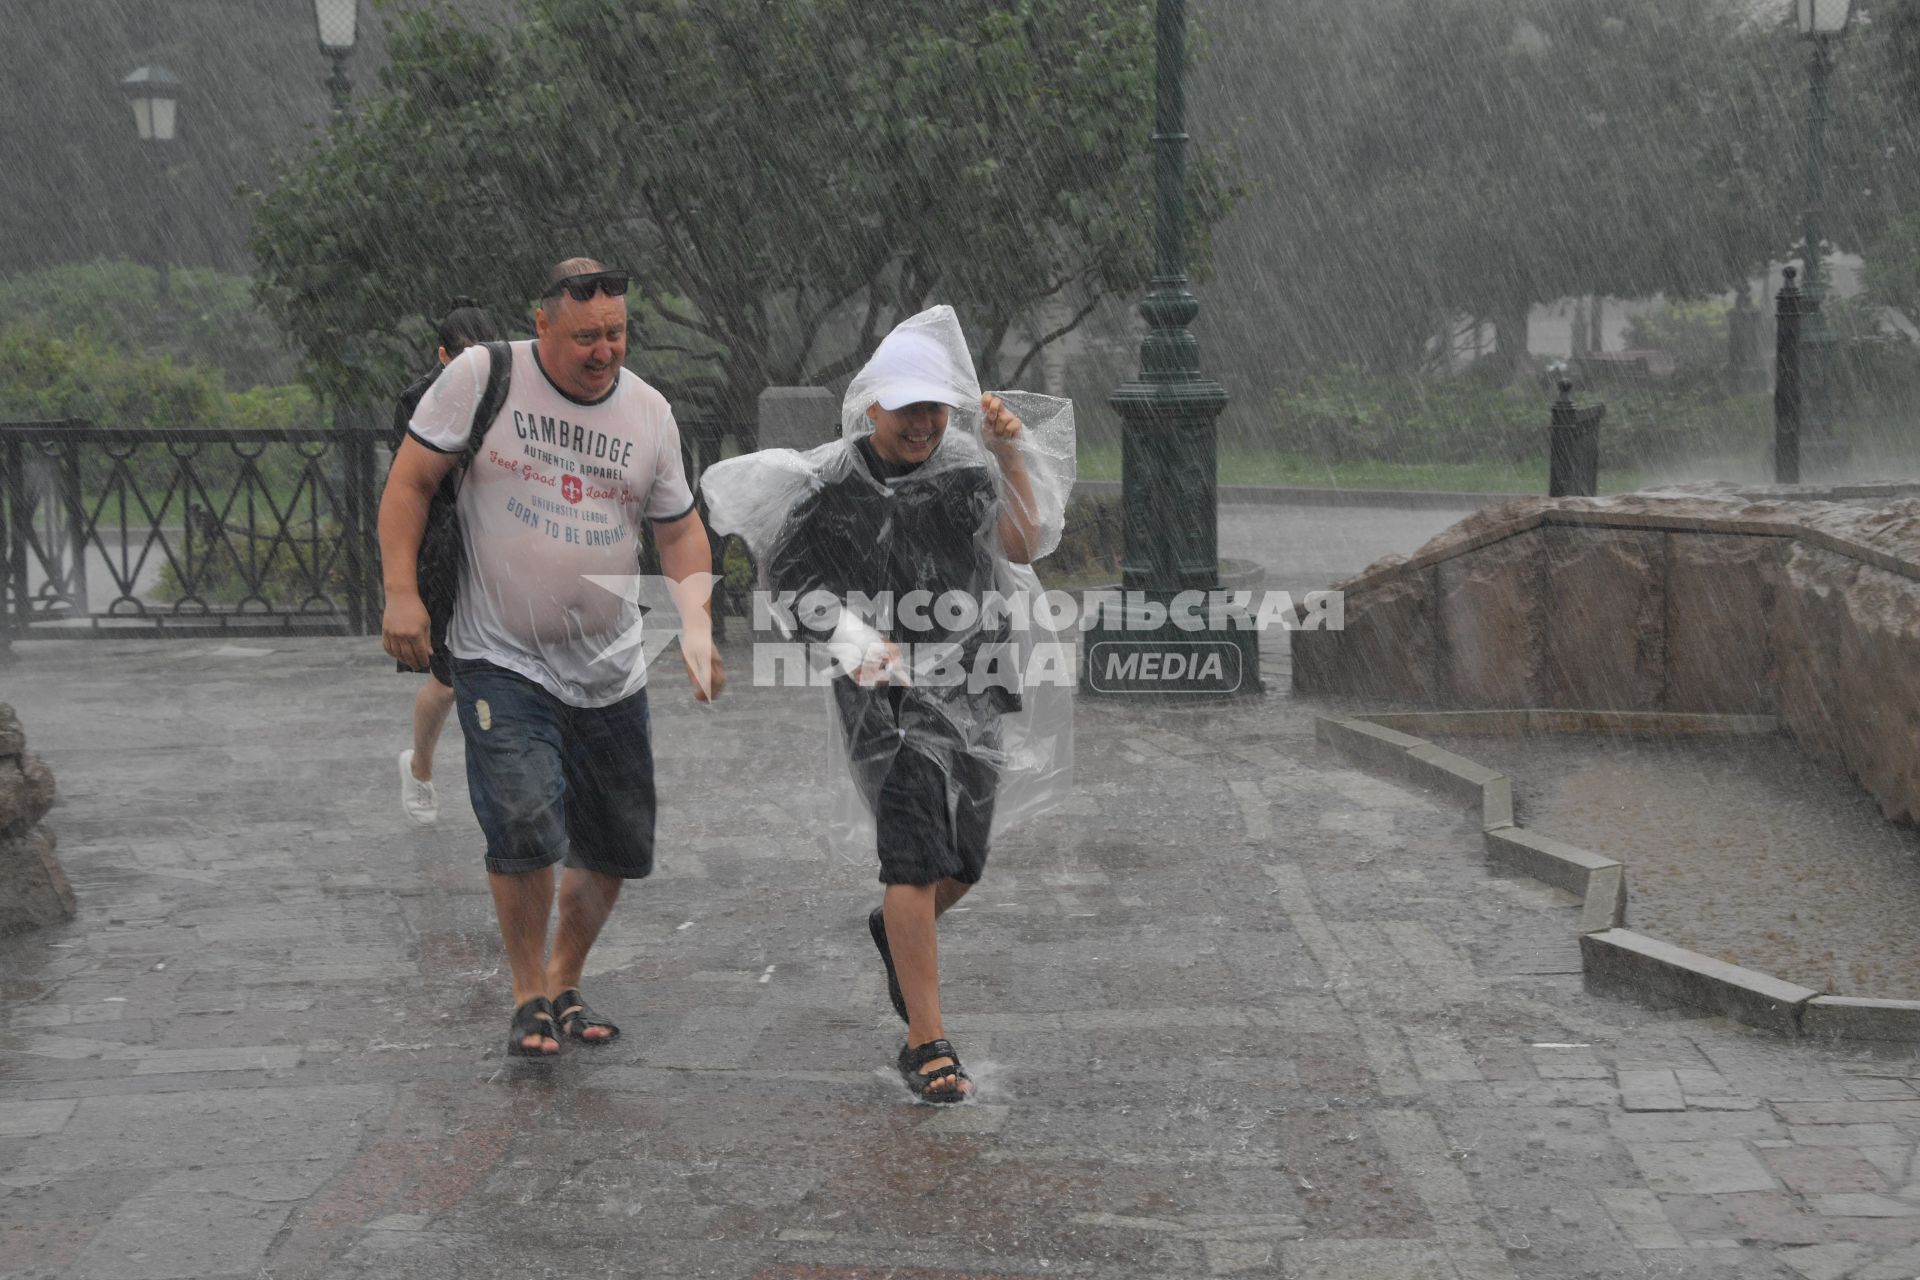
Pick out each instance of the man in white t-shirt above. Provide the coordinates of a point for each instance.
(548, 677)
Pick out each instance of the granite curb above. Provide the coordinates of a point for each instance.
(1612, 956)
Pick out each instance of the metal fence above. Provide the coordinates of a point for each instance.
(205, 531)
(210, 531)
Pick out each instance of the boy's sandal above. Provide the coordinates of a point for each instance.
(877, 926)
(576, 1015)
(534, 1018)
(926, 1085)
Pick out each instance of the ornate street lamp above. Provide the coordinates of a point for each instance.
(338, 22)
(1149, 643)
(154, 93)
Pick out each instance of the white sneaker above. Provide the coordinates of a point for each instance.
(417, 797)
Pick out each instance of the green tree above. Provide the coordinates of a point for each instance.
(1432, 160)
(1893, 261)
(785, 179)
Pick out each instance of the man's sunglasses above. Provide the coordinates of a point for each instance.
(582, 287)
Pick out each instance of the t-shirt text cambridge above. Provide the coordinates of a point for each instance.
(555, 497)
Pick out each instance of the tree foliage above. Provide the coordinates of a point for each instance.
(1447, 158)
(212, 320)
(786, 178)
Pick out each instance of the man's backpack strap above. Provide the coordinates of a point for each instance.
(499, 382)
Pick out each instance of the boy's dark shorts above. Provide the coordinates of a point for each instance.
(553, 782)
(934, 819)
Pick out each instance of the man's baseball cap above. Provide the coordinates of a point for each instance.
(910, 367)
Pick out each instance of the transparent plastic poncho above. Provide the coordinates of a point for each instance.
(911, 576)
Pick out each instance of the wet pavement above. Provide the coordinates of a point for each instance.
(1240, 1009)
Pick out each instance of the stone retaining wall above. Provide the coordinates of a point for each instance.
(33, 888)
(1797, 603)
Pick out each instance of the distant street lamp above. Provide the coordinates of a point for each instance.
(338, 22)
(154, 93)
(1821, 21)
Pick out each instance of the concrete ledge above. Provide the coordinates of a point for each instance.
(1455, 775)
(1605, 906)
(1554, 862)
(1459, 722)
(1621, 957)
(1370, 742)
(1855, 1018)
(1496, 804)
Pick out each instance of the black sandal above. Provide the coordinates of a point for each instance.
(877, 926)
(922, 1082)
(534, 1018)
(576, 1015)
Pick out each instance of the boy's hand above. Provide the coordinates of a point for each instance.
(1002, 429)
(882, 666)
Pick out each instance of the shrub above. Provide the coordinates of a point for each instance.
(1093, 540)
(1352, 415)
(1349, 415)
(1693, 333)
(80, 376)
(217, 323)
(285, 569)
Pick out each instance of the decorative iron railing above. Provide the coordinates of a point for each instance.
(210, 531)
(117, 531)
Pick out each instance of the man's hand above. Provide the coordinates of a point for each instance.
(1002, 429)
(404, 630)
(704, 667)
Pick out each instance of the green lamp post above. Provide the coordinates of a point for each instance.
(1167, 634)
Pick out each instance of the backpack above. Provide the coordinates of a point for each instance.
(443, 552)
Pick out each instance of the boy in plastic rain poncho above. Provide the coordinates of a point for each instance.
(952, 713)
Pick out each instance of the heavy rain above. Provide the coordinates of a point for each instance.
(844, 639)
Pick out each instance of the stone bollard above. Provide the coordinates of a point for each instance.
(1792, 306)
(33, 888)
(1573, 447)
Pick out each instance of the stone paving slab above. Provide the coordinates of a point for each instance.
(1238, 1010)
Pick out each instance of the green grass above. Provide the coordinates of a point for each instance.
(1237, 467)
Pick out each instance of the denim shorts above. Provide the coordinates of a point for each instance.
(553, 782)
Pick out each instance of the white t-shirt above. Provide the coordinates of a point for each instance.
(557, 492)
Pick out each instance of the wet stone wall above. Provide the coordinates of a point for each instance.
(1799, 604)
(33, 889)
